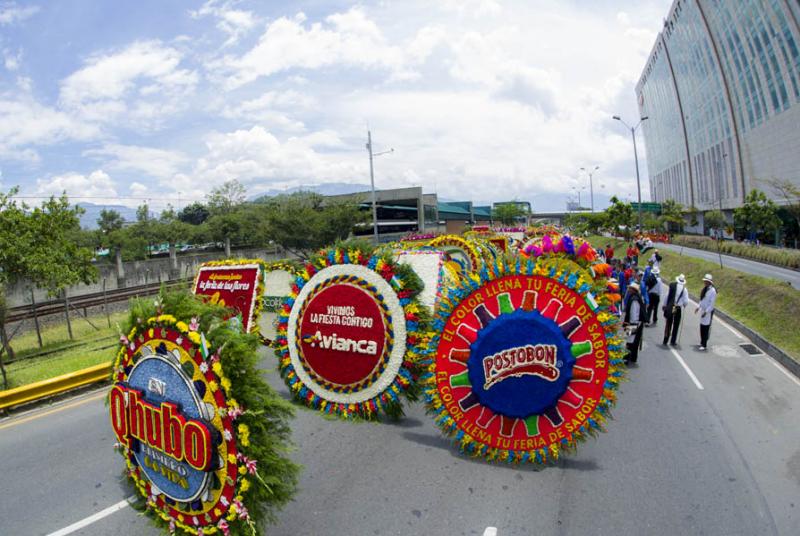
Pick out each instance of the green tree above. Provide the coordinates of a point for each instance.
(716, 220)
(110, 235)
(170, 229)
(758, 215)
(194, 214)
(35, 245)
(306, 221)
(652, 222)
(507, 213)
(592, 223)
(790, 194)
(672, 216)
(620, 217)
(226, 198)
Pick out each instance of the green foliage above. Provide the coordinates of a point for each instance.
(226, 198)
(672, 215)
(507, 213)
(652, 222)
(758, 215)
(306, 221)
(620, 217)
(194, 214)
(586, 222)
(715, 219)
(267, 415)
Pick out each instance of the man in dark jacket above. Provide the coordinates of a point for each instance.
(653, 286)
(677, 299)
(633, 322)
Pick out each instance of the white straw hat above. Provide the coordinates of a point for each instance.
(681, 279)
(708, 278)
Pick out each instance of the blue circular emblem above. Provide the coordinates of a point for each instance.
(160, 379)
(520, 364)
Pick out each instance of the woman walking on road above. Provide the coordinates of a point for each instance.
(708, 297)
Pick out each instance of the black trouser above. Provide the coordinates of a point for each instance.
(704, 331)
(652, 309)
(673, 324)
(633, 347)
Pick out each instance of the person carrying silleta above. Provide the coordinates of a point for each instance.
(677, 299)
(633, 322)
(653, 286)
(708, 297)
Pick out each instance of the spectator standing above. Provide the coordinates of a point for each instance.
(655, 259)
(609, 253)
(633, 322)
(677, 299)
(633, 253)
(653, 289)
(708, 298)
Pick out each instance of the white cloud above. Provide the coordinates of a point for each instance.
(142, 83)
(24, 121)
(344, 39)
(11, 60)
(137, 189)
(235, 23)
(158, 163)
(273, 110)
(97, 187)
(10, 12)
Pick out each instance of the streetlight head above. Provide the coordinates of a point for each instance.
(644, 118)
(596, 167)
(583, 169)
(616, 117)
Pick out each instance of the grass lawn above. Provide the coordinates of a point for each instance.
(769, 307)
(67, 355)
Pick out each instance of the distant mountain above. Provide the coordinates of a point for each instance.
(89, 218)
(332, 188)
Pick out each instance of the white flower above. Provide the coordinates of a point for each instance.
(203, 367)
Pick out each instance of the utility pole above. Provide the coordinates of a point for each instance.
(590, 172)
(372, 184)
(636, 159)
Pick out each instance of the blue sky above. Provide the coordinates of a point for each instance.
(121, 102)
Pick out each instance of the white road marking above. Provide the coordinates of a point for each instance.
(93, 518)
(783, 370)
(686, 368)
(490, 531)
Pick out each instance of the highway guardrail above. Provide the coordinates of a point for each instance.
(54, 386)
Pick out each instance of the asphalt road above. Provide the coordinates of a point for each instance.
(743, 265)
(677, 459)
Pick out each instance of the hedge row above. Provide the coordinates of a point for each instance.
(789, 258)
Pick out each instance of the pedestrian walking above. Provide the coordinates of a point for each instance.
(677, 299)
(655, 259)
(633, 322)
(708, 297)
(653, 288)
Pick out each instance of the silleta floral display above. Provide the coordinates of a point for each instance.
(185, 439)
(527, 362)
(350, 334)
(279, 277)
(236, 284)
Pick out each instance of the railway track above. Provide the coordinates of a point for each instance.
(51, 307)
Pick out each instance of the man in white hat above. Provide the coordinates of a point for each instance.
(677, 299)
(653, 286)
(633, 322)
(708, 296)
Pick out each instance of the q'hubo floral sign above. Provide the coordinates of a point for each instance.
(350, 334)
(526, 363)
(236, 284)
(185, 439)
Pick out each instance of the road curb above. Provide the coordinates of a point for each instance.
(767, 347)
(54, 386)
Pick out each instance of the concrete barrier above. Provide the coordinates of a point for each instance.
(54, 386)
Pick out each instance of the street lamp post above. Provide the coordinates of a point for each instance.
(372, 184)
(636, 159)
(591, 186)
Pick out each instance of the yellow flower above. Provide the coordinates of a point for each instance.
(243, 429)
(226, 384)
(242, 470)
(245, 440)
(217, 512)
(213, 386)
(194, 337)
(182, 326)
(232, 403)
(217, 368)
(231, 458)
(245, 485)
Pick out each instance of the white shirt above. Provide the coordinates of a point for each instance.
(681, 296)
(707, 305)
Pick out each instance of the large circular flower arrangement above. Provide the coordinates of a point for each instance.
(467, 254)
(278, 279)
(526, 362)
(351, 333)
(203, 437)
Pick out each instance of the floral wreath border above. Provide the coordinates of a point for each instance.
(616, 371)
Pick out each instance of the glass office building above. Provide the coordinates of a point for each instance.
(721, 90)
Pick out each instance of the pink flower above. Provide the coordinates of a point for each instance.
(194, 325)
(248, 463)
(171, 526)
(241, 509)
(223, 526)
(235, 413)
(124, 340)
